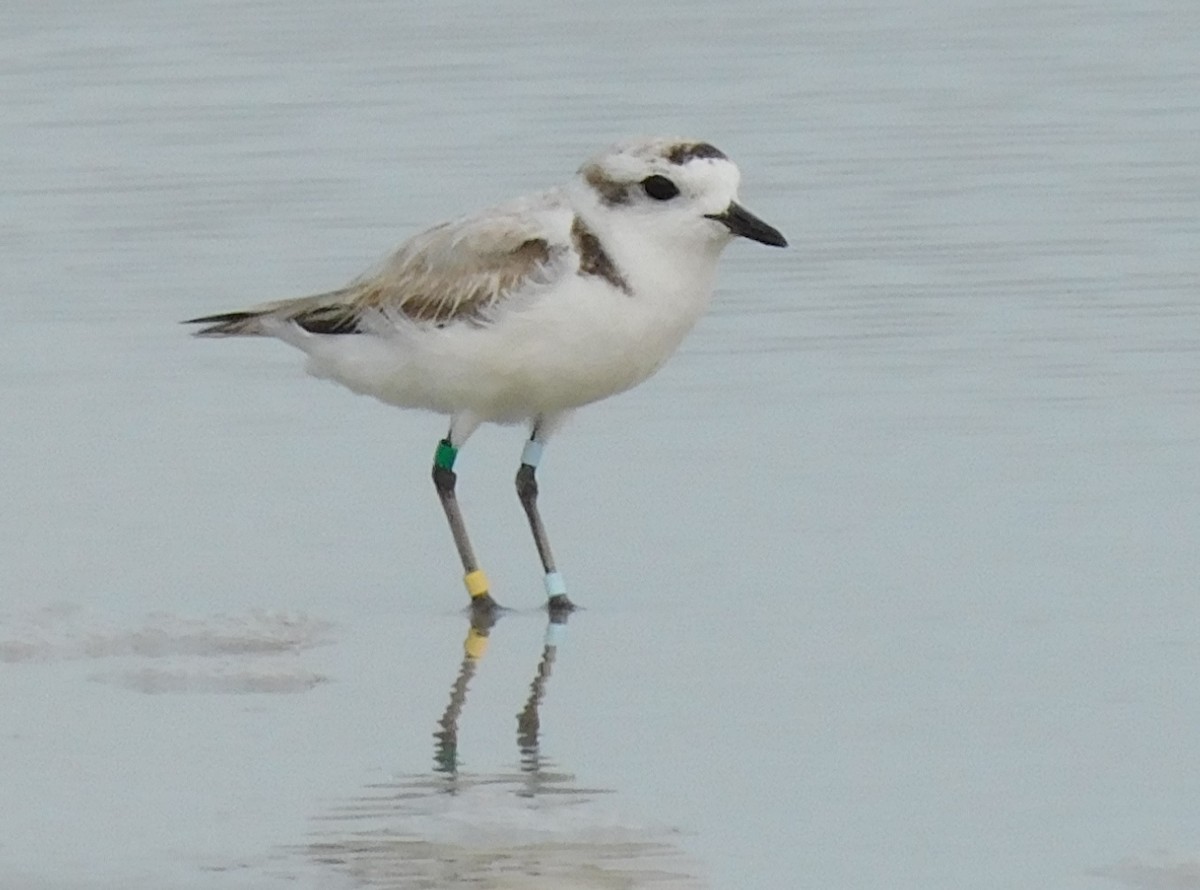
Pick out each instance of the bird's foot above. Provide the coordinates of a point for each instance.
(484, 611)
(559, 607)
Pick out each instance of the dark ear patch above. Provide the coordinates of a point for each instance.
(610, 191)
(688, 151)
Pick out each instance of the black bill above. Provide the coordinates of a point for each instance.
(742, 222)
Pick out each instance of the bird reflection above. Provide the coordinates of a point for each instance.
(445, 757)
(457, 829)
(529, 721)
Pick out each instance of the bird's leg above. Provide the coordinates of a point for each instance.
(527, 491)
(444, 479)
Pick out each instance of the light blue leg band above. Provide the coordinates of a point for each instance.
(531, 455)
(555, 634)
(555, 585)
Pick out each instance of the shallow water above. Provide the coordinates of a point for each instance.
(890, 575)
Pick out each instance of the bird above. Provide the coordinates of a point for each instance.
(528, 310)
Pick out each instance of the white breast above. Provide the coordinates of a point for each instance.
(575, 342)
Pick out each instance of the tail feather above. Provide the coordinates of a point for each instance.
(328, 313)
(229, 324)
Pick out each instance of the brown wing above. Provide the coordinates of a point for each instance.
(451, 272)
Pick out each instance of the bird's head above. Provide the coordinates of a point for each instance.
(670, 192)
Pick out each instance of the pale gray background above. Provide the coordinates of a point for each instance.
(891, 574)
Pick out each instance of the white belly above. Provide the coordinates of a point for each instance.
(577, 343)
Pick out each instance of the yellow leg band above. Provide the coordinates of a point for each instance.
(477, 583)
(476, 645)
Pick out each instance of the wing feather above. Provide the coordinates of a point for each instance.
(453, 272)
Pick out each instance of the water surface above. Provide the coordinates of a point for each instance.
(890, 575)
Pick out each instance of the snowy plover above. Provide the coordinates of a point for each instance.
(526, 311)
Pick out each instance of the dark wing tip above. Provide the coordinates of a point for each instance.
(227, 324)
(324, 320)
(329, 322)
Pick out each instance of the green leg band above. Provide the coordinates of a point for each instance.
(445, 455)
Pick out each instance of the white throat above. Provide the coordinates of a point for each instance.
(657, 260)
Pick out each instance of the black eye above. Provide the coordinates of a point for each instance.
(659, 188)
